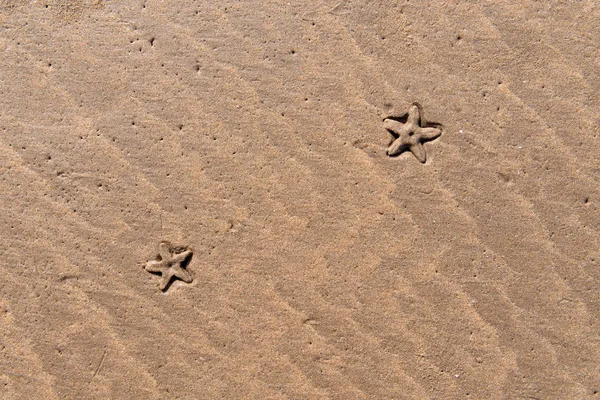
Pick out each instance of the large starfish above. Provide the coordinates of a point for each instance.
(412, 134)
(170, 265)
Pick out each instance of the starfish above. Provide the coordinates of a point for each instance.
(411, 134)
(170, 265)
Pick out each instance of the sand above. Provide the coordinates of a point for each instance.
(252, 135)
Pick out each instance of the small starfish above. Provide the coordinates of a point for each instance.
(170, 265)
(412, 134)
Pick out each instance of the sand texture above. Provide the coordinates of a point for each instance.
(242, 146)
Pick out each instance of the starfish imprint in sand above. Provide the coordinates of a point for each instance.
(410, 131)
(170, 264)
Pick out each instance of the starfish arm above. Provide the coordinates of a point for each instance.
(397, 147)
(155, 266)
(419, 151)
(166, 278)
(182, 274)
(164, 250)
(393, 127)
(414, 115)
(181, 257)
(429, 133)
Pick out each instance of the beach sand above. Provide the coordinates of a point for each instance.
(252, 134)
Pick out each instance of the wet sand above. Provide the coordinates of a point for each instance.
(252, 134)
